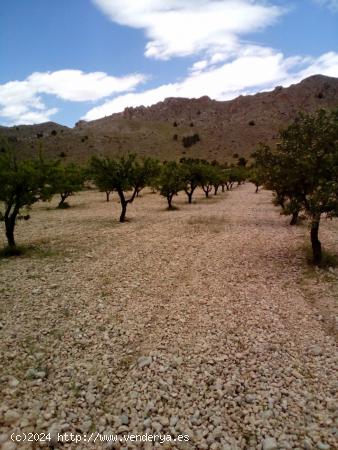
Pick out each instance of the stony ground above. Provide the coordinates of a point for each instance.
(203, 321)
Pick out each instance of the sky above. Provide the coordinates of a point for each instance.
(66, 60)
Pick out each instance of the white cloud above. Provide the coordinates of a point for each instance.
(20, 101)
(331, 4)
(185, 27)
(74, 85)
(255, 69)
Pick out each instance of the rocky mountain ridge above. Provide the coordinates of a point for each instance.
(224, 128)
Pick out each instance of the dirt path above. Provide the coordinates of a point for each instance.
(193, 322)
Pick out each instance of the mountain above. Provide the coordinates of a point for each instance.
(221, 128)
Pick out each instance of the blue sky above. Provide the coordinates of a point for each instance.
(67, 60)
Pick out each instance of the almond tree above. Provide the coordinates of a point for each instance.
(304, 170)
(122, 175)
(171, 181)
(68, 179)
(191, 175)
(115, 175)
(22, 183)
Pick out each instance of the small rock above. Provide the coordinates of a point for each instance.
(8, 446)
(307, 444)
(11, 416)
(269, 443)
(3, 438)
(90, 398)
(144, 361)
(331, 405)
(156, 426)
(315, 350)
(322, 446)
(13, 382)
(54, 432)
(87, 424)
(173, 421)
(124, 419)
(33, 374)
(164, 421)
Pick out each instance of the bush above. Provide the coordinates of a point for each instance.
(188, 141)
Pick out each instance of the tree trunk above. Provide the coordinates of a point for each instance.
(63, 198)
(190, 192)
(10, 225)
(223, 188)
(294, 219)
(124, 210)
(107, 195)
(169, 199)
(257, 186)
(315, 242)
(206, 191)
(216, 189)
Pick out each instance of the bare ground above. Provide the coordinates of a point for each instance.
(203, 321)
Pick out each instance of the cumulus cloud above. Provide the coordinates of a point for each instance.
(255, 69)
(186, 27)
(20, 101)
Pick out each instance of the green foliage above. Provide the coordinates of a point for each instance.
(191, 170)
(147, 173)
(232, 175)
(22, 183)
(122, 175)
(208, 178)
(256, 176)
(303, 171)
(171, 181)
(68, 179)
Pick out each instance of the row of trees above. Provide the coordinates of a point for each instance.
(25, 182)
(128, 176)
(303, 171)
(190, 174)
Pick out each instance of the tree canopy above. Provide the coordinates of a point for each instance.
(303, 170)
(22, 183)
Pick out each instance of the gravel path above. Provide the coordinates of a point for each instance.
(192, 322)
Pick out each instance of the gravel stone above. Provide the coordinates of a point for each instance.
(201, 321)
(269, 443)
